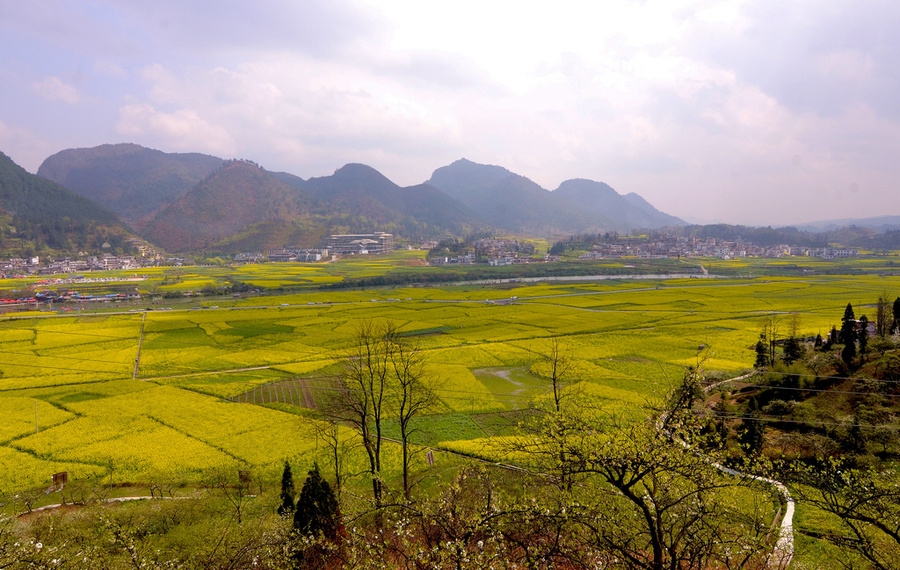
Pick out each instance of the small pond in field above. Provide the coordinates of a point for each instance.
(518, 384)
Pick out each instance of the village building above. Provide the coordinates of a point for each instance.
(361, 244)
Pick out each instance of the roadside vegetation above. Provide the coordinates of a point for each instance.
(823, 414)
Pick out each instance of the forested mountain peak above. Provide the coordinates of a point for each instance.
(41, 214)
(226, 203)
(133, 181)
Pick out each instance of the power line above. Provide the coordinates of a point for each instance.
(819, 390)
(817, 377)
(779, 419)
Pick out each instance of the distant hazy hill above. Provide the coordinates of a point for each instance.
(507, 200)
(243, 207)
(229, 202)
(38, 213)
(467, 181)
(511, 201)
(879, 224)
(187, 202)
(619, 212)
(360, 190)
(853, 236)
(133, 181)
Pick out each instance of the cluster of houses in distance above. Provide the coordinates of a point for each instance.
(678, 247)
(338, 245)
(33, 266)
(493, 251)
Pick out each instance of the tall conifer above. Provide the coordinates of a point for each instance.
(287, 491)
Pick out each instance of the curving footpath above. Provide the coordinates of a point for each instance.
(783, 553)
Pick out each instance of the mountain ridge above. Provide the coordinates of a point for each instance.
(227, 202)
(879, 224)
(131, 180)
(182, 201)
(515, 202)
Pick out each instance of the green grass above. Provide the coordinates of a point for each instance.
(431, 430)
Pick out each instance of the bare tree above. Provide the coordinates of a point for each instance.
(558, 359)
(361, 391)
(383, 378)
(336, 447)
(794, 323)
(769, 328)
(412, 394)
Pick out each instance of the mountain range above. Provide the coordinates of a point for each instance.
(197, 202)
(85, 199)
(509, 200)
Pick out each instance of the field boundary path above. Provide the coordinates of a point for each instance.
(208, 373)
(564, 278)
(783, 552)
(110, 500)
(727, 380)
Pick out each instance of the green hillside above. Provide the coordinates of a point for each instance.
(228, 203)
(40, 216)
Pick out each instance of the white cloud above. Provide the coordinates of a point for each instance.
(24, 147)
(183, 130)
(305, 115)
(54, 89)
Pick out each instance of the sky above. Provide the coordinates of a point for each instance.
(747, 112)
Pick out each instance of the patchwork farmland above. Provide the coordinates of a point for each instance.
(73, 402)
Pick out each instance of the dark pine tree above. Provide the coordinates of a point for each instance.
(848, 314)
(863, 337)
(287, 491)
(834, 337)
(317, 516)
(856, 441)
(762, 353)
(848, 335)
(848, 326)
(752, 431)
(848, 353)
(317, 512)
(793, 350)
